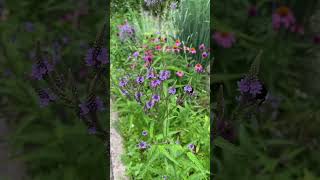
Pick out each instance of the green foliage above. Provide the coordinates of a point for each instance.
(122, 7)
(52, 142)
(270, 143)
(171, 127)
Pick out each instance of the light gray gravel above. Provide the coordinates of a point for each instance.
(116, 149)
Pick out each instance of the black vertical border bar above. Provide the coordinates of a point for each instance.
(107, 19)
(211, 90)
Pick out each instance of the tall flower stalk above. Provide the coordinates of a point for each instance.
(66, 91)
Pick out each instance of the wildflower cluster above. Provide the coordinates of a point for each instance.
(152, 82)
(146, 86)
(44, 69)
(152, 2)
(126, 31)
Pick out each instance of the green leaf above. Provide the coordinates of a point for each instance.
(166, 153)
(225, 145)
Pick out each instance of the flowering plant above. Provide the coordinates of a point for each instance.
(158, 84)
(256, 115)
(45, 69)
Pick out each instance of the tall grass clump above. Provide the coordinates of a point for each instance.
(146, 23)
(192, 19)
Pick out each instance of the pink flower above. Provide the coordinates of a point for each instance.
(155, 40)
(316, 39)
(176, 49)
(148, 57)
(202, 47)
(158, 47)
(192, 51)
(180, 74)
(296, 28)
(224, 39)
(198, 68)
(204, 55)
(282, 16)
(178, 43)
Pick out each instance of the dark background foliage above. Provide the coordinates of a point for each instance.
(51, 142)
(265, 147)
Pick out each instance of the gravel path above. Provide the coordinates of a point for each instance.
(116, 148)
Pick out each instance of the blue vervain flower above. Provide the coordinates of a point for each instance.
(45, 97)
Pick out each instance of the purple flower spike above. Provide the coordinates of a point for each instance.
(142, 145)
(123, 82)
(173, 5)
(89, 58)
(93, 105)
(103, 56)
(172, 90)
(126, 31)
(84, 109)
(188, 89)
(250, 86)
(41, 68)
(124, 92)
(98, 103)
(46, 96)
(150, 104)
(136, 54)
(150, 74)
(144, 133)
(156, 98)
(164, 75)
(138, 96)
(191, 147)
(255, 87)
(155, 83)
(244, 86)
(101, 59)
(92, 130)
(140, 79)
